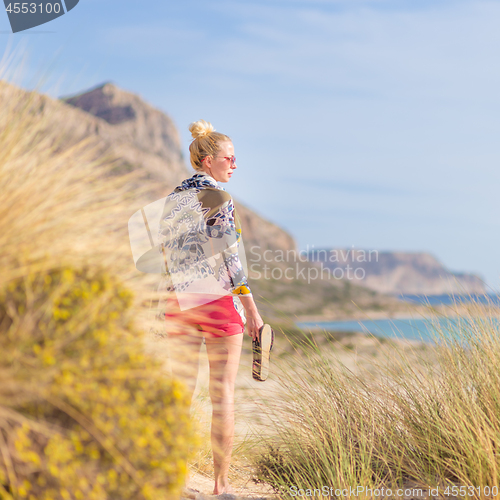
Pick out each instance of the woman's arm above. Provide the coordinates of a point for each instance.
(223, 225)
(254, 321)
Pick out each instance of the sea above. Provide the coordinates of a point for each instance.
(409, 328)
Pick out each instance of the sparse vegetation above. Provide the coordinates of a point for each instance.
(430, 415)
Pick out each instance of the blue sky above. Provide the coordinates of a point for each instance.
(370, 123)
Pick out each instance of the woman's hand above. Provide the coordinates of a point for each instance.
(254, 321)
(254, 324)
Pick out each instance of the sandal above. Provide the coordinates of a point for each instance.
(261, 348)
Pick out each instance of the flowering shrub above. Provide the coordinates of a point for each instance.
(84, 412)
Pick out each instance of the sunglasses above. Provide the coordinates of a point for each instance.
(232, 159)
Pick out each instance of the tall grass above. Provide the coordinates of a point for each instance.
(430, 420)
(85, 412)
(60, 202)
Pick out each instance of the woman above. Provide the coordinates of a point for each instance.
(201, 239)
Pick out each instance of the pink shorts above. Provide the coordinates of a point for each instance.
(218, 318)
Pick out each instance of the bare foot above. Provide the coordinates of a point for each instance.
(221, 488)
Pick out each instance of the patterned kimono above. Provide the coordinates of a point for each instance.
(200, 238)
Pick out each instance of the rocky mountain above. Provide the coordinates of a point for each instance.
(140, 136)
(145, 139)
(396, 272)
(123, 128)
(142, 142)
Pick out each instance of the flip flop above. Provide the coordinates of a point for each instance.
(261, 348)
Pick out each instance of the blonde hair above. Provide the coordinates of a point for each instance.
(205, 143)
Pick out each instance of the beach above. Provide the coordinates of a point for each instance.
(352, 350)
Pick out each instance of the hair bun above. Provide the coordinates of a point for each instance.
(201, 128)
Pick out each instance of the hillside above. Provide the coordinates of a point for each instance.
(398, 272)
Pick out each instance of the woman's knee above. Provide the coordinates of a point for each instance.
(221, 392)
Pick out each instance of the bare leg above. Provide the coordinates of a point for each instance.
(224, 358)
(184, 353)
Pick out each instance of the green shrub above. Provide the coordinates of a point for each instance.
(84, 412)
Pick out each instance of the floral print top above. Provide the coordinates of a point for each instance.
(201, 240)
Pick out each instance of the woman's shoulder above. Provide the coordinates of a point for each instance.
(213, 197)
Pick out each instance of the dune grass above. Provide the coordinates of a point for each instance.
(60, 202)
(431, 420)
(85, 412)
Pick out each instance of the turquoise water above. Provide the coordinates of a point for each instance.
(412, 329)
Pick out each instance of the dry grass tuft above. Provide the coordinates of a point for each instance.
(59, 204)
(435, 421)
(85, 413)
